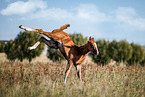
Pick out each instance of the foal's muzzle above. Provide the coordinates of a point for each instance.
(96, 52)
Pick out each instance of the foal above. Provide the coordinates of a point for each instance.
(72, 53)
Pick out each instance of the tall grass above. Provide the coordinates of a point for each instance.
(47, 79)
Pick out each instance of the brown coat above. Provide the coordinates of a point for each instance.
(73, 54)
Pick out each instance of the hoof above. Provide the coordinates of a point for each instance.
(20, 26)
(29, 48)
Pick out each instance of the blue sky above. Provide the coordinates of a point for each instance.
(102, 19)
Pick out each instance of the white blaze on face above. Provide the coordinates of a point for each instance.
(95, 45)
(96, 48)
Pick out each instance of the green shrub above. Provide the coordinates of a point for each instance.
(103, 57)
(18, 49)
(2, 46)
(137, 54)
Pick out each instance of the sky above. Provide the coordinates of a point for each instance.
(101, 19)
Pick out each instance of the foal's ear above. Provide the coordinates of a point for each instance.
(90, 38)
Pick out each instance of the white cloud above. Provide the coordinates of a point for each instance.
(128, 16)
(84, 13)
(51, 13)
(22, 8)
(38, 9)
(91, 13)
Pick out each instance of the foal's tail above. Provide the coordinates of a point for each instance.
(64, 26)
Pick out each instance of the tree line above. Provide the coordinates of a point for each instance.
(122, 51)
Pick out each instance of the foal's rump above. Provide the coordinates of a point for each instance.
(59, 35)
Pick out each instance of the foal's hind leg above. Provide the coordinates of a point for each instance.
(50, 43)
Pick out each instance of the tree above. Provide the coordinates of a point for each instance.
(10, 50)
(143, 61)
(19, 47)
(137, 54)
(113, 50)
(124, 51)
(2, 46)
(55, 55)
(103, 57)
(78, 38)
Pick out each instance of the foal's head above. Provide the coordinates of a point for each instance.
(93, 46)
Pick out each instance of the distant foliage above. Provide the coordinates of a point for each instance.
(143, 61)
(113, 50)
(124, 51)
(103, 57)
(2, 46)
(138, 54)
(18, 49)
(10, 50)
(55, 55)
(78, 39)
(120, 51)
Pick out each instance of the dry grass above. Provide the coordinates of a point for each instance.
(45, 79)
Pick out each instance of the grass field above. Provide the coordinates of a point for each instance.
(46, 79)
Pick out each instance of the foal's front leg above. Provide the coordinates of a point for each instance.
(78, 68)
(34, 46)
(68, 67)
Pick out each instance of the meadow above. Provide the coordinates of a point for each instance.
(46, 79)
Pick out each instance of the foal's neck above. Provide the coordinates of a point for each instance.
(84, 49)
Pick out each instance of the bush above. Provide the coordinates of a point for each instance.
(78, 39)
(113, 50)
(54, 54)
(19, 47)
(2, 46)
(143, 61)
(137, 54)
(103, 56)
(124, 51)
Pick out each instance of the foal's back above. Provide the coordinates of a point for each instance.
(60, 36)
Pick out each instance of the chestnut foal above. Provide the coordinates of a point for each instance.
(72, 53)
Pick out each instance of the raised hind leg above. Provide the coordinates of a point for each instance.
(48, 34)
(28, 29)
(50, 43)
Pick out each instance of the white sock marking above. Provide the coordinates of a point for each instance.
(35, 45)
